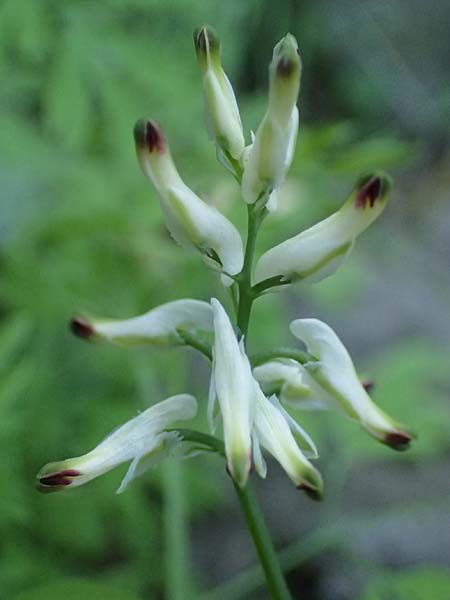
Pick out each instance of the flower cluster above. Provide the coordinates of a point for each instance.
(248, 398)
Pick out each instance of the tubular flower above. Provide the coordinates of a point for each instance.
(333, 380)
(280, 435)
(232, 384)
(269, 158)
(142, 440)
(222, 113)
(318, 251)
(157, 327)
(191, 222)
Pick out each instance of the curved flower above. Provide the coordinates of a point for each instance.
(335, 375)
(233, 386)
(223, 119)
(276, 431)
(191, 222)
(318, 251)
(158, 327)
(269, 157)
(141, 440)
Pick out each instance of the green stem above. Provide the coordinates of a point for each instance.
(192, 340)
(248, 501)
(246, 295)
(294, 353)
(263, 544)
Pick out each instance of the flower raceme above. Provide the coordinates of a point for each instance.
(142, 440)
(158, 327)
(318, 251)
(222, 113)
(191, 222)
(329, 381)
(250, 420)
(268, 159)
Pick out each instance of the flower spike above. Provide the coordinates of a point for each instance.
(233, 386)
(157, 327)
(141, 440)
(223, 119)
(191, 222)
(318, 251)
(268, 159)
(335, 376)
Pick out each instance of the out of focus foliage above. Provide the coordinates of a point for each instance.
(81, 230)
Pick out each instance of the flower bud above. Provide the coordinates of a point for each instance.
(335, 376)
(289, 380)
(233, 385)
(274, 430)
(157, 327)
(318, 251)
(223, 119)
(270, 156)
(191, 222)
(141, 440)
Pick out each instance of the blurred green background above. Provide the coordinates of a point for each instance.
(81, 230)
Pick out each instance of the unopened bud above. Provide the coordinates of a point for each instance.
(223, 119)
(271, 154)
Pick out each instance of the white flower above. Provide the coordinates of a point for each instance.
(223, 119)
(318, 251)
(333, 379)
(141, 440)
(232, 384)
(268, 159)
(191, 222)
(157, 327)
(280, 435)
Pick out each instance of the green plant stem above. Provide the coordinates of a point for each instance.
(293, 353)
(263, 544)
(195, 342)
(248, 501)
(246, 295)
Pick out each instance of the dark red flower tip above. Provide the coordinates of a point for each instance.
(368, 385)
(81, 328)
(148, 135)
(205, 38)
(59, 479)
(285, 67)
(370, 189)
(398, 440)
(311, 491)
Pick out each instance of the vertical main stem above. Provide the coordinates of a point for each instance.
(249, 503)
(263, 544)
(246, 296)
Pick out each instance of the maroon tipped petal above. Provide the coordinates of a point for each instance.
(370, 191)
(398, 440)
(153, 137)
(285, 66)
(310, 491)
(368, 385)
(62, 478)
(81, 328)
